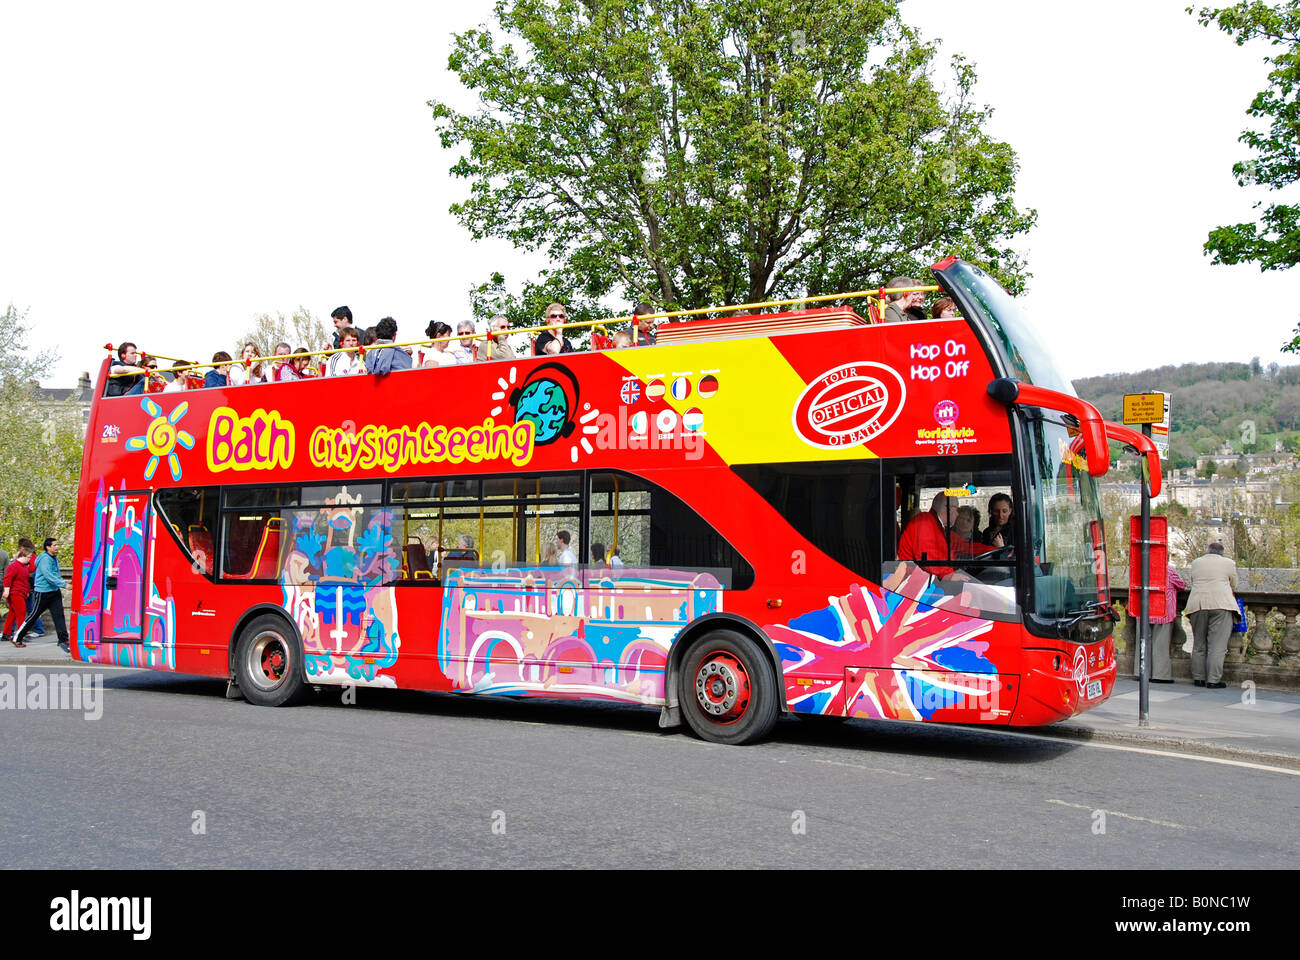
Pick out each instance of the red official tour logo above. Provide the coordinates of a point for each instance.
(849, 405)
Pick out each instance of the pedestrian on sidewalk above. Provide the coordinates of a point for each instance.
(1212, 607)
(48, 587)
(37, 629)
(1163, 629)
(17, 588)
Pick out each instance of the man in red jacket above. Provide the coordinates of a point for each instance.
(930, 537)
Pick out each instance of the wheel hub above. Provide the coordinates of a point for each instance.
(722, 687)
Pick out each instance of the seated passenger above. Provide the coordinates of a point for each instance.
(999, 520)
(464, 547)
(644, 334)
(498, 348)
(463, 349)
(929, 537)
(968, 523)
(383, 357)
(179, 374)
(896, 310)
(153, 380)
(219, 375)
(282, 370)
(598, 554)
(943, 309)
(439, 354)
(622, 339)
(128, 364)
(553, 341)
(349, 361)
(302, 364)
(246, 372)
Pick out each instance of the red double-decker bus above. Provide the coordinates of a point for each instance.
(717, 526)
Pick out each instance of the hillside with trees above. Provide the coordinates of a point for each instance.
(1244, 405)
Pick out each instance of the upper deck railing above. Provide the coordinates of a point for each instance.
(603, 325)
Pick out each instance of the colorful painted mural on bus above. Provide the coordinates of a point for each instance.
(558, 632)
(884, 655)
(333, 580)
(124, 530)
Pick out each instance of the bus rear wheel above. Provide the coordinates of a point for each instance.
(268, 666)
(728, 689)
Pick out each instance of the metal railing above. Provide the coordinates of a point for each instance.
(880, 293)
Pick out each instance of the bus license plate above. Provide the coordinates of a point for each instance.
(1093, 690)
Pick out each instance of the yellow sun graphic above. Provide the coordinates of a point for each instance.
(161, 437)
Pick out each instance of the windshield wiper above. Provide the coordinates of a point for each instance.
(1092, 610)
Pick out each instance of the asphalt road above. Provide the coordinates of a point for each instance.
(421, 780)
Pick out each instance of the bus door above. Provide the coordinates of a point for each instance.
(126, 545)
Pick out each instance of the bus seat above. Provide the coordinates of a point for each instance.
(266, 562)
(460, 558)
(417, 559)
(599, 342)
(873, 313)
(200, 545)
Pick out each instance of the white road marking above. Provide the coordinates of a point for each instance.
(1116, 813)
(1151, 751)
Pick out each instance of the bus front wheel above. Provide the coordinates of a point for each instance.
(268, 666)
(729, 692)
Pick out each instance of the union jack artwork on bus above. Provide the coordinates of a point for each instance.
(765, 512)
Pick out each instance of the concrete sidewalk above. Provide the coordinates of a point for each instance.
(1238, 723)
(1241, 723)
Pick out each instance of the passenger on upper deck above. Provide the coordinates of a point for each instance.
(282, 369)
(243, 373)
(553, 341)
(463, 349)
(342, 318)
(349, 361)
(900, 305)
(929, 537)
(179, 375)
(644, 335)
(943, 309)
(622, 339)
(383, 357)
(499, 346)
(439, 353)
(219, 375)
(127, 362)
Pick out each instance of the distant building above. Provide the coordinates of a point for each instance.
(66, 402)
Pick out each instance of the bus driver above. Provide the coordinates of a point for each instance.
(931, 536)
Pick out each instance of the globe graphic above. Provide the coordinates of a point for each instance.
(543, 402)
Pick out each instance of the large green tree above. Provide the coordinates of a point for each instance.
(40, 447)
(693, 153)
(1273, 241)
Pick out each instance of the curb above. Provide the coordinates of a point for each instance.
(1196, 747)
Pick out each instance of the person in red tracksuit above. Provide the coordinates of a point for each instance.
(18, 587)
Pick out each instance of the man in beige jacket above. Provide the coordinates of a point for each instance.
(1212, 607)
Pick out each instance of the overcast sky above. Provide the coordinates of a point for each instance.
(170, 170)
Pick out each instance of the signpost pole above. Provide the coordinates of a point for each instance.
(1144, 620)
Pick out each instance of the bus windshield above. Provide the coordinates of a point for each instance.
(1064, 522)
(1013, 335)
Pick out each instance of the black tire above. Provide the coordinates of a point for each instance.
(268, 663)
(728, 691)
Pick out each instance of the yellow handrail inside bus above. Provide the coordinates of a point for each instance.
(879, 293)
